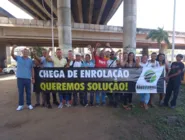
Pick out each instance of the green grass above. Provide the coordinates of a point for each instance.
(158, 118)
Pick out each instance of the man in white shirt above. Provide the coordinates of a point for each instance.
(77, 63)
(112, 63)
(154, 64)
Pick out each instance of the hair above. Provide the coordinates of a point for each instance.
(163, 62)
(70, 51)
(58, 49)
(88, 55)
(154, 53)
(180, 55)
(133, 58)
(144, 56)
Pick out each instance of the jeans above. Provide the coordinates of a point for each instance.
(24, 84)
(173, 86)
(75, 98)
(102, 97)
(83, 98)
(91, 98)
(63, 96)
(145, 97)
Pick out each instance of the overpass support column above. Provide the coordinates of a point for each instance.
(64, 25)
(2, 56)
(129, 27)
(145, 51)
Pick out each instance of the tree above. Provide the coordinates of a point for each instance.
(38, 50)
(159, 35)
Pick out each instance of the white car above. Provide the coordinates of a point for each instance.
(10, 70)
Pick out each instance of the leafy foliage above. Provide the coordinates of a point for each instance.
(159, 35)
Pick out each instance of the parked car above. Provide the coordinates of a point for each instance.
(10, 70)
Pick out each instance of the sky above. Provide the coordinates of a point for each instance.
(150, 14)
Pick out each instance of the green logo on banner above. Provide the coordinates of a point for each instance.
(150, 76)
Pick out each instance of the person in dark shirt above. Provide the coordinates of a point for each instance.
(174, 81)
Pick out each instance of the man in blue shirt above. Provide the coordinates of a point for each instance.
(88, 63)
(46, 64)
(25, 74)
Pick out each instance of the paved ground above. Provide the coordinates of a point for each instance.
(92, 123)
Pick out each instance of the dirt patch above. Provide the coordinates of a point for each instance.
(79, 123)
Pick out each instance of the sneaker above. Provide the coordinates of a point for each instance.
(30, 107)
(49, 106)
(60, 106)
(68, 105)
(36, 105)
(20, 107)
(161, 103)
(172, 107)
(86, 105)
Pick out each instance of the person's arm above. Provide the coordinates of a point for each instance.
(48, 58)
(36, 57)
(138, 62)
(12, 52)
(95, 49)
(91, 50)
(108, 45)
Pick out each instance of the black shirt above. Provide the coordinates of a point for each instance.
(175, 67)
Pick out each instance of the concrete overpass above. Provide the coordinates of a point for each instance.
(26, 32)
(82, 11)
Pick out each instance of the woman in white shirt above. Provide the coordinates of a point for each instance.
(162, 63)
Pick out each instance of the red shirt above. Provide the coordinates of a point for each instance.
(100, 62)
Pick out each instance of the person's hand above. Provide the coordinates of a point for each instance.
(33, 81)
(34, 53)
(14, 46)
(108, 45)
(50, 49)
(166, 78)
(98, 45)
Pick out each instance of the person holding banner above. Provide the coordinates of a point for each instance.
(77, 63)
(25, 74)
(88, 63)
(69, 58)
(174, 81)
(154, 64)
(145, 97)
(162, 63)
(46, 64)
(100, 62)
(131, 63)
(112, 63)
(58, 61)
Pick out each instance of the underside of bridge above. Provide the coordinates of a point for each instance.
(82, 11)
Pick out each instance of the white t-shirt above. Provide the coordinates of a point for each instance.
(143, 64)
(111, 64)
(77, 64)
(154, 65)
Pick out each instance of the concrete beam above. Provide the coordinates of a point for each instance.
(33, 9)
(113, 9)
(101, 11)
(48, 2)
(79, 4)
(42, 8)
(91, 10)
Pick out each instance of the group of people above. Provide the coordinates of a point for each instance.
(97, 59)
